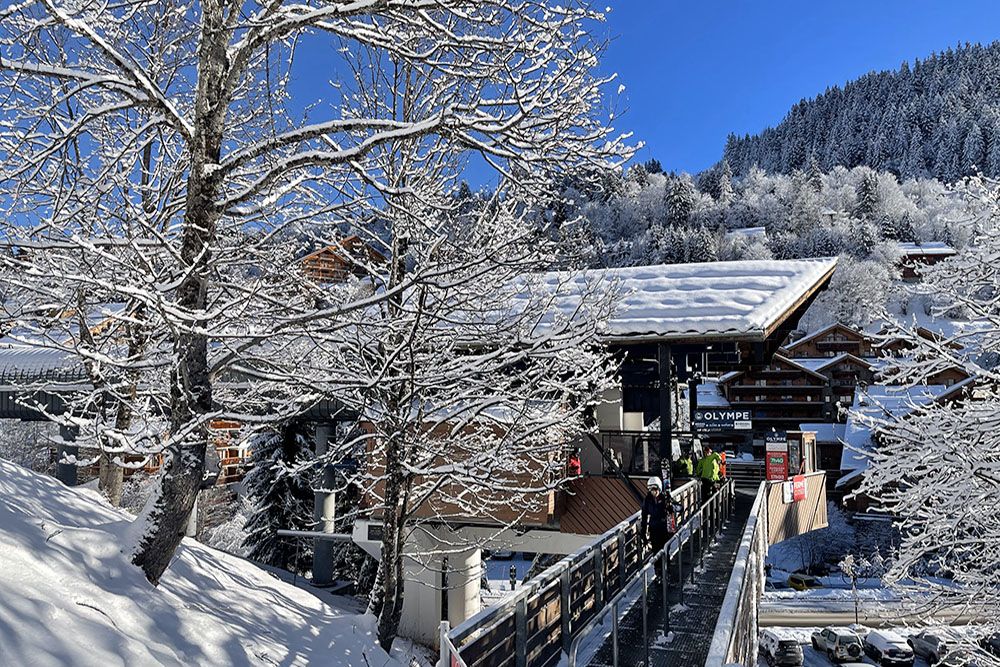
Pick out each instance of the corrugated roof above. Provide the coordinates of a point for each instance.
(742, 300)
(25, 364)
(595, 505)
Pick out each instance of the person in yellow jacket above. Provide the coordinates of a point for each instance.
(684, 466)
(708, 471)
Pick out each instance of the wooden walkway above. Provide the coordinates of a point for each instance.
(694, 610)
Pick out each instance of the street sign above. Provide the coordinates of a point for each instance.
(776, 456)
(795, 490)
(798, 488)
(722, 420)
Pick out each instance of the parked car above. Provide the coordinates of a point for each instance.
(991, 643)
(779, 651)
(929, 646)
(961, 657)
(803, 582)
(840, 644)
(888, 649)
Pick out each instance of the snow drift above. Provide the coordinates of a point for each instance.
(70, 597)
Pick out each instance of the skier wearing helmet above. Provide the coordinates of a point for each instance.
(656, 519)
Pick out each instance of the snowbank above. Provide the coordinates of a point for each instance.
(71, 597)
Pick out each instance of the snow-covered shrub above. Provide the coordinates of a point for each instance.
(27, 444)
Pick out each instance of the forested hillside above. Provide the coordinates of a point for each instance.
(651, 217)
(939, 117)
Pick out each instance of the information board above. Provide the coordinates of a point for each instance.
(722, 420)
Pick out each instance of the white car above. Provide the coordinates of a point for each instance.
(840, 644)
(888, 649)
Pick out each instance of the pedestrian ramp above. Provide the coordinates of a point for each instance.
(607, 606)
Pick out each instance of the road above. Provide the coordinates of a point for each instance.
(809, 613)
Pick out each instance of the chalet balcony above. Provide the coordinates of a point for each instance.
(751, 402)
(852, 346)
(775, 387)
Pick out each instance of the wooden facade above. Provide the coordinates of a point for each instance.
(831, 341)
(335, 262)
(780, 394)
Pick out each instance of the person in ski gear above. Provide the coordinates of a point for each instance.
(656, 523)
(685, 467)
(708, 471)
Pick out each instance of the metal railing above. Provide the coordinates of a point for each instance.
(735, 638)
(540, 623)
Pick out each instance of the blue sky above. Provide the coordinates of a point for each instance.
(696, 71)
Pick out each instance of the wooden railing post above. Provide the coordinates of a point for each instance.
(599, 574)
(521, 632)
(565, 613)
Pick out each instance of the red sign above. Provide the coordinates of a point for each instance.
(777, 466)
(798, 488)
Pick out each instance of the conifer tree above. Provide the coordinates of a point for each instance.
(280, 498)
(868, 203)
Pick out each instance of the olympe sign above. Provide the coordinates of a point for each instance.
(722, 420)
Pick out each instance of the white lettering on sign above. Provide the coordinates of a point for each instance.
(723, 415)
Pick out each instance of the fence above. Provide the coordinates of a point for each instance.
(537, 625)
(707, 521)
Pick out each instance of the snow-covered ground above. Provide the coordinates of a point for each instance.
(70, 597)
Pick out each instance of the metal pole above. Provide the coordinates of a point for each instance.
(645, 609)
(565, 616)
(614, 634)
(443, 640)
(680, 568)
(521, 632)
(691, 553)
(324, 504)
(665, 577)
(666, 420)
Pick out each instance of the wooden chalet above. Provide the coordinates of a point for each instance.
(335, 262)
(780, 394)
(913, 256)
(831, 341)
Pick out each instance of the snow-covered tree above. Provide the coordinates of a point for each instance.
(158, 168)
(468, 386)
(279, 498)
(938, 469)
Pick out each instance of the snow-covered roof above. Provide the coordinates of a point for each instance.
(825, 330)
(880, 403)
(794, 363)
(929, 248)
(744, 300)
(748, 232)
(819, 363)
(23, 364)
(710, 395)
(825, 432)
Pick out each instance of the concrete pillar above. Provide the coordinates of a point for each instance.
(465, 571)
(424, 586)
(422, 590)
(191, 530)
(66, 472)
(324, 511)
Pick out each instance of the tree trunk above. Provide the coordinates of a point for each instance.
(391, 567)
(111, 479)
(165, 517)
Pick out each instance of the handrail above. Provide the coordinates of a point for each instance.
(725, 626)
